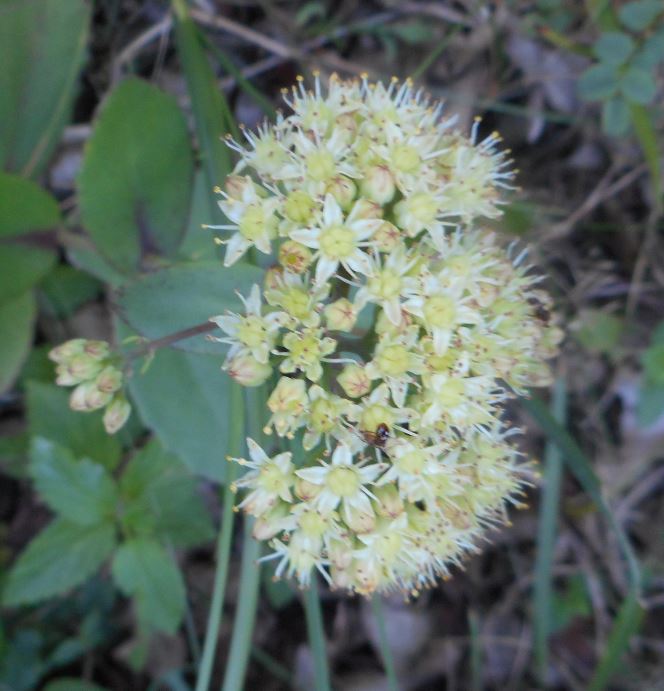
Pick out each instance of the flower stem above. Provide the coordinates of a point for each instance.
(223, 545)
(245, 615)
(316, 633)
(150, 346)
(385, 652)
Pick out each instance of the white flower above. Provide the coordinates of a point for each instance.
(338, 241)
(342, 482)
(269, 480)
(253, 332)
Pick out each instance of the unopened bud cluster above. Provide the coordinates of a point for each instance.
(392, 325)
(90, 367)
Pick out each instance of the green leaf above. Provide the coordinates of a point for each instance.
(50, 417)
(650, 406)
(135, 181)
(638, 86)
(212, 115)
(613, 48)
(184, 399)
(59, 558)
(80, 491)
(646, 132)
(142, 568)
(615, 116)
(653, 363)
(16, 321)
(183, 296)
(25, 207)
(42, 46)
(598, 331)
(71, 684)
(640, 14)
(598, 83)
(21, 267)
(161, 499)
(65, 289)
(651, 52)
(198, 243)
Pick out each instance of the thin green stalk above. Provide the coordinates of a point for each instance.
(476, 666)
(630, 612)
(546, 538)
(245, 614)
(385, 651)
(224, 541)
(316, 633)
(434, 54)
(274, 667)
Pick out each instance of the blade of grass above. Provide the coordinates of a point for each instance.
(245, 614)
(263, 103)
(314, 617)
(212, 115)
(476, 671)
(274, 667)
(646, 134)
(435, 53)
(546, 538)
(224, 541)
(385, 652)
(630, 612)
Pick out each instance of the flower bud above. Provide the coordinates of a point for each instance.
(378, 184)
(65, 351)
(247, 371)
(109, 380)
(340, 553)
(359, 521)
(96, 399)
(78, 400)
(286, 404)
(341, 578)
(354, 381)
(341, 315)
(387, 237)
(98, 350)
(268, 525)
(295, 257)
(83, 367)
(236, 185)
(63, 377)
(390, 503)
(343, 189)
(116, 414)
(367, 209)
(272, 279)
(299, 207)
(306, 491)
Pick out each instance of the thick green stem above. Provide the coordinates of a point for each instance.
(316, 633)
(223, 545)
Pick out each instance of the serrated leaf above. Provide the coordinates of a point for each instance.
(135, 181)
(183, 398)
(59, 558)
(640, 14)
(615, 116)
(183, 296)
(78, 490)
(50, 417)
(598, 83)
(42, 46)
(143, 569)
(161, 499)
(613, 48)
(638, 86)
(16, 321)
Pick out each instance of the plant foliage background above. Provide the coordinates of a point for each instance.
(112, 118)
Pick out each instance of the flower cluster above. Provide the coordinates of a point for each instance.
(392, 326)
(91, 368)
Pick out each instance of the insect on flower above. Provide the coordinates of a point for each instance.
(379, 437)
